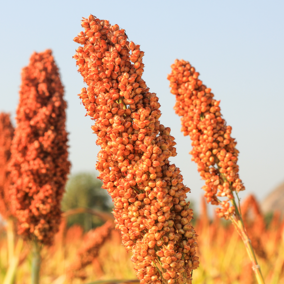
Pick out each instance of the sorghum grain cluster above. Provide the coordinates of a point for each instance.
(93, 241)
(6, 136)
(213, 148)
(147, 191)
(39, 158)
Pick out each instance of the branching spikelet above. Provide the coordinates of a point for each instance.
(148, 193)
(214, 150)
(39, 158)
(6, 136)
(93, 241)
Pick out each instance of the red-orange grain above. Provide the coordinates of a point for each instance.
(39, 158)
(213, 149)
(6, 136)
(134, 158)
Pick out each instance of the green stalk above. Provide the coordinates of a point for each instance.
(36, 261)
(238, 223)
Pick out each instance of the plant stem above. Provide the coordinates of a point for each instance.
(10, 239)
(238, 222)
(36, 262)
(10, 275)
(239, 225)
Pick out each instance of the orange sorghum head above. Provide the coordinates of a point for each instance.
(39, 158)
(74, 234)
(93, 241)
(147, 191)
(255, 224)
(6, 136)
(250, 206)
(213, 148)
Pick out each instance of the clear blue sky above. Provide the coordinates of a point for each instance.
(237, 46)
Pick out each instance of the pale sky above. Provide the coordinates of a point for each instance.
(237, 46)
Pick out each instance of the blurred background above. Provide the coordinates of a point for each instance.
(237, 46)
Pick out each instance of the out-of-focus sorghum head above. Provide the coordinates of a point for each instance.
(251, 209)
(93, 241)
(147, 191)
(255, 224)
(6, 136)
(213, 148)
(39, 157)
(74, 234)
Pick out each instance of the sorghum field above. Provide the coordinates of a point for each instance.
(135, 221)
(98, 255)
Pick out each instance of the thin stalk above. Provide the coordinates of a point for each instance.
(36, 261)
(278, 266)
(229, 254)
(10, 239)
(11, 272)
(237, 221)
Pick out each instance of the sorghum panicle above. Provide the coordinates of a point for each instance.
(6, 136)
(93, 241)
(147, 191)
(39, 158)
(213, 148)
(251, 206)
